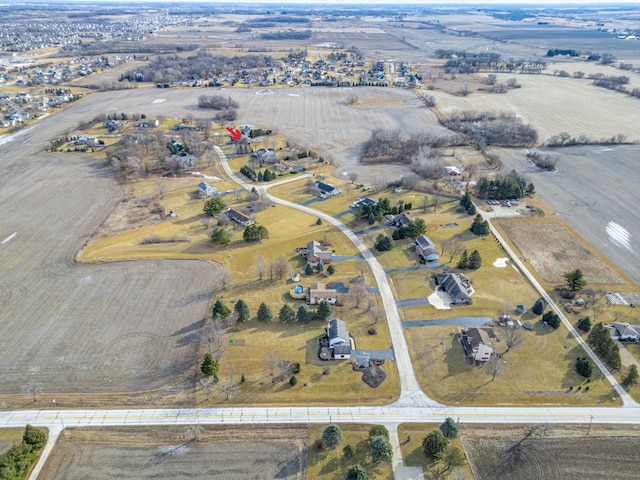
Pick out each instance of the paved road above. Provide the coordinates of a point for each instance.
(464, 321)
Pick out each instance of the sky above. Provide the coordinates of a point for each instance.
(436, 2)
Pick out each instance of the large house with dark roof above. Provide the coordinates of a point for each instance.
(477, 343)
(319, 292)
(206, 190)
(315, 253)
(339, 340)
(326, 190)
(426, 249)
(239, 217)
(457, 286)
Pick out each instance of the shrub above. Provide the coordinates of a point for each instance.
(434, 443)
(584, 324)
(584, 367)
(551, 319)
(293, 381)
(540, 306)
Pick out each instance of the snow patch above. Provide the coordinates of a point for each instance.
(264, 92)
(292, 95)
(501, 262)
(159, 100)
(619, 235)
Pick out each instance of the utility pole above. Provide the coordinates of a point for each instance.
(590, 422)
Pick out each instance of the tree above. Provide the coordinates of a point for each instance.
(584, 324)
(383, 243)
(551, 319)
(513, 337)
(371, 219)
(480, 226)
(357, 472)
(324, 311)
(381, 450)
(264, 313)
(220, 236)
(287, 314)
(540, 306)
(220, 310)
(331, 269)
(475, 261)
(378, 430)
(293, 381)
(604, 346)
(332, 436)
(209, 367)
(575, 280)
(494, 366)
(449, 428)
(464, 260)
(308, 269)
(34, 437)
(241, 309)
(584, 366)
(319, 267)
(254, 233)
(319, 221)
(631, 378)
(451, 246)
(415, 228)
(303, 314)
(213, 206)
(434, 443)
(452, 457)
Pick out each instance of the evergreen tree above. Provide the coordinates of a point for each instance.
(383, 243)
(551, 319)
(584, 367)
(213, 206)
(464, 260)
(220, 236)
(381, 450)
(241, 309)
(575, 280)
(474, 260)
(357, 472)
(324, 311)
(35, 438)
(449, 428)
(372, 219)
(293, 381)
(331, 269)
(287, 314)
(434, 443)
(308, 269)
(584, 324)
(631, 378)
(604, 346)
(264, 313)
(378, 430)
(209, 367)
(540, 306)
(255, 233)
(451, 456)
(332, 436)
(319, 267)
(303, 314)
(220, 310)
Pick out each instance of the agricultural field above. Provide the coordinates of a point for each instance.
(551, 451)
(185, 452)
(594, 191)
(553, 105)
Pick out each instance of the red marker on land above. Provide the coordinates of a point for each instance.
(235, 134)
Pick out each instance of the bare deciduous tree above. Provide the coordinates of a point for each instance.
(271, 360)
(162, 188)
(452, 247)
(359, 294)
(224, 274)
(362, 266)
(206, 385)
(33, 388)
(280, 267)
(229, 389)
(513, 337)
(215, 338)
(259, 266)
(353, 176)
(193, 433)
(494, 366)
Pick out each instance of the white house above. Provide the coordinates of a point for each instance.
(319, 292)
(206, 190)
(477, 343)
(623, 331)
(326, 189)
(339, 341)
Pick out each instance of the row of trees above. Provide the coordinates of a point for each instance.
(470, 262)
(504, 187)
(17, 462)
(492, 128)
(251, 174)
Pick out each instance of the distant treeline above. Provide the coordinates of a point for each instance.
(289, 35)
(562, 51)
(461, 61)
(131, 48)
(492, 128)
(172, 68)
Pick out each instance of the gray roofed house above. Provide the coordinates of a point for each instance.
(401, 220)
(337, 333)
(426, 249)
(361, 202)
(318, 292)
(326, 189)
(477, 343)
(315, 253)
(456, 285)
(206, 190)
(623, 331)
(239, 217)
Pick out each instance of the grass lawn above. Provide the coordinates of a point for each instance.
(331, 464)
(8, 437)
(538, 372)
(411, 436)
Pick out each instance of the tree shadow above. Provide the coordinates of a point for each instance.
(455, 359)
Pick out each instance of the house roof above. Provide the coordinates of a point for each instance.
(204, 186)
(625, 329)
(337, 329)
(426, 248)
(320, 289)
(456, 285)
(403, 219)
(474, 337)
(343, 349)
(239, 217)
(315, 249)
(325, 187)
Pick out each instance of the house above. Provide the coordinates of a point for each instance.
(339, 340)
(239, 217)
(426, 249)
(623, 331)
(453, 171)
(456, 285)
(265, 155)
(362, 202)
(206, 190)
(477, 343)
(315, 253)
(326, 189)
(401, 220)
(319, 292)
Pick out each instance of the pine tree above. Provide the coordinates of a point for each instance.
(287, 314)
(324, 311)
(474, 260)
(220, 310)
(264, 313)
(308, 269)
(241, 309)
(464, 260)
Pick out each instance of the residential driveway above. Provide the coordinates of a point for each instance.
(342, 258)
(464, 321)
(410, 302)
(441, 300)
(427, 266)
(342, 214)
(309, 202)
(361, 356)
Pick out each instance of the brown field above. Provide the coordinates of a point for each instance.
(563, 452)
(229, 452)
(553, 105)
(552, 250)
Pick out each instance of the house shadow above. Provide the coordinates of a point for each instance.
(455, 359)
